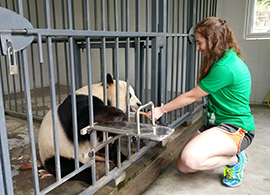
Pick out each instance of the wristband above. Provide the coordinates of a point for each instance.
(163, 108)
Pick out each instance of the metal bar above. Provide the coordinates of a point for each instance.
(107, 167)
(78, 65)
(67, 177)
(184, 64)
(34, 78)
(95, 14)
(52, 91)
(20, 81)
(5, 170)
(117, 171)
(73, 95)
(108, 15)
(41, 72)
(2, 184)
(29, 111)
(172, 62)
(154, 60)
(56, 55)
(116, 54)
(122, 15)
(82, 33)
(8, 84)
(90, 97)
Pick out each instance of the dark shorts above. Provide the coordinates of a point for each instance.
(239, 136)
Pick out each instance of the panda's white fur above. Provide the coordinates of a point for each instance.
(66, 147)
(97, 90)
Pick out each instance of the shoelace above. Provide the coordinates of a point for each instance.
(228, 173)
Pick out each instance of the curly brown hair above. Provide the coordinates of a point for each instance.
(219, 38)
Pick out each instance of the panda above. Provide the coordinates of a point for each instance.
(102, 114)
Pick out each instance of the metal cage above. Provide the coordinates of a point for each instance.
(148, 43)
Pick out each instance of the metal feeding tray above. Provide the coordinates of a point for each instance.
(142, 131)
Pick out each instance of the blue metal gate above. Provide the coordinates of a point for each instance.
(147, 43)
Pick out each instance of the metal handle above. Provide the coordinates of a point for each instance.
(138, 114)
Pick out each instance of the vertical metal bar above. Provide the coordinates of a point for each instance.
(117, 75)
(34, 77)
(40, 59)
(146, 54)
(2, 184)
(183, 50)
(154, 60)
(177, 56)
(90, 97)
(8, 84)
(127, 58)
(6, 185)
(73, 95)
(56, 55)
(166, 55)
(41, 72)
(162, 64)
(116, 54)
(137, 49)
(122, 15)
(190, 51)
(78, 65)
(103, 54)
(108, 15)
(29, 111)
(1, 77)
(172, 61)
(215, 8)
(52, 91)
(104, 79)
(65, 47)
(20, 81)
(95, 14)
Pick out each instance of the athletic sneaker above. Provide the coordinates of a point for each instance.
(233, 176)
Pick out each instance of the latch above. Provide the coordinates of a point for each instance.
(12, 60)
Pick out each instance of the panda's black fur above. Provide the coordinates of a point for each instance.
(102, 114)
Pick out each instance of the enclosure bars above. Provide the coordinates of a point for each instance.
(6, 186)
(74, 33)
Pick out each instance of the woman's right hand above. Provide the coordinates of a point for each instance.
(158, 113)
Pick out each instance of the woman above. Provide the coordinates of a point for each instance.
(229, 126)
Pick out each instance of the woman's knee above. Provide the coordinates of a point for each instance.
(187, 163)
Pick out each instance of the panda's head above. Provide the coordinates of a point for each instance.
(134, 102)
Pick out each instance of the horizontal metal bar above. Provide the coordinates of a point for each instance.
(14, 31)
(22, 115)
(67, 177)
(86, 33)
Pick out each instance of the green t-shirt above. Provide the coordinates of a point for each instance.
(229, 86)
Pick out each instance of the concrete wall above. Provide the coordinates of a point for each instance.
(256, 53)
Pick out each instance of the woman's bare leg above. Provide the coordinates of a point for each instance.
(207, 150)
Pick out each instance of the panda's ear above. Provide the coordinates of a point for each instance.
(109, 79)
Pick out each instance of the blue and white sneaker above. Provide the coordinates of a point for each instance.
(233, 176)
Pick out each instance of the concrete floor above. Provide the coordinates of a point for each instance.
(256, 177)
(163, 170)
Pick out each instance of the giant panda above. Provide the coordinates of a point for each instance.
(102, 114)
